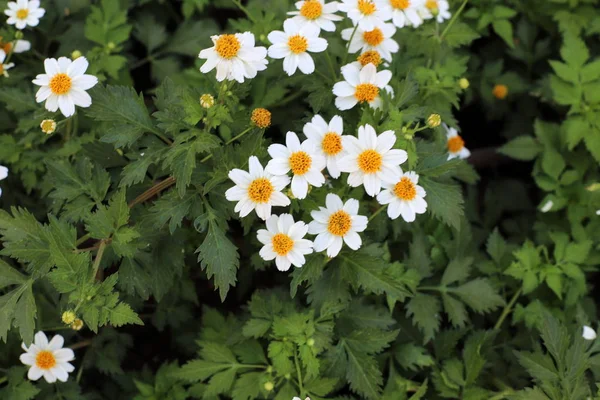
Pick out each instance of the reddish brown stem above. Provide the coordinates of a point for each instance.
(153, 191)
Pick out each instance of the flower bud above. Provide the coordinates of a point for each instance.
(75, 54)
(269, 386)
(19, 35)
(464, 83)
(310, 342)
(111, 45)
(68, 317)
(48, 126)
(77, 325)
(261, 117)
(434, 120)
(207, 100)
(500, 91)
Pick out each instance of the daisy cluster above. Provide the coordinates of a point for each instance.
(21, 14)
(369, 159)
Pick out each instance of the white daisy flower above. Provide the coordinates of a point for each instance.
(336, 224)
(588, 333)
(257, 189)
(455, 144)
(22, 13)
(235, 56)
(360, 85)
(371, 159)
(293, 45)
(3, 175)
(327, 139)
(4, 67)
(64, 85)
(303, 160)
(316, 13)
(404, 12)
(438, 9)
(364, 13)
(284, 242)
(16, 46)
(404, 197)
(378, 39)
(48, 359)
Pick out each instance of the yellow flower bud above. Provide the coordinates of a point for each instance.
(111, 45)
(269, 386)
(68, 317)
(48, 126)
(464, 83)
(500, 91)
(434, 120)
(75, 54)
(310, 342)
(207, 100)
(77, 325)
(261, 117)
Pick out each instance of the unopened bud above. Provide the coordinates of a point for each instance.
(464, 83)
(77, 325)
(19, 35)
(207, 100)
(269, 386)
(500, 91)
(434, 120)
(68, 317)
(48, 126)
(75, 54)
(111, 45)
(310, 342)
(261, 117)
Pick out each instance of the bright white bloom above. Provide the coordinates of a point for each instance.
(316, 13)
(360, 85)
(379, 39)
(4, 67)
(365, 13)
(3, 175)
(404, 12)
(22, 13)
(284, 241)
(588, 333)
(293, 45)
(438, 9)
(64, 85)
(48, 359)
(336, 224)
(234, 56)
(303, 160)
(327, 139)
(547, 206)
(370, 159)
(16, 46)
(455, 144)
(404, 197)
(257, 189)
(597, 212)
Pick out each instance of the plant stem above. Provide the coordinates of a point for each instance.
(454, 18)
(98, 259)
(376, 213)
(244, 10)
(79, 345)
(68, 129)
(83, 239)
(330, 62)
(233, 139)
(154, 190)
(507, 309)
(299, 372)
(3, 379)
(348, 45)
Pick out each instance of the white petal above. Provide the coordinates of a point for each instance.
(60, 373)
(351, 206)
(306, 63)
(77, 67)
(335, 247)
(41, 340)
(351, 74)
(278, 166)
(343, 89)
(290, 64)
(317, 45)
(34, 373)
(267, 253)
(263, 211)
(385, 141)
(279, 50)
(299, 187)
(240, 177)
(284, 223)
(256, 169)
(588, 333)
(27, 359)
(372, 184)
(280, 199)
(353, 240)
(56, 343)
(49, 376)
(382, 78)
(323, 241)
(66, 105)
(80, 98)
(345, 103)
(84, 82)
(292, 142)
(283, 263)
(333, 202)
(51, 66)
(64, 355)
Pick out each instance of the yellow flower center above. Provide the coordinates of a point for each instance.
(282, 244)
(405, 189)
(261, 117)
(311, 9)
(1, 69)
(260, 190)
(22, 13)
(455, 144)
(367, 7)
(339, 223)
(431, 4)
(48, 126)
(366, 92)
(400, 4)
(369, 57)
(6, 46)
(227, 46)
(500, 91)
(300, 162)
(369, 161)
(297, 44)
(374, 37)
(60, 83)
(45, 360)
(331, 144)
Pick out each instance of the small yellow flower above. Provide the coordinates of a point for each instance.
(261, 117)
(77, 325)
(500, 91)
(207, 100)
(48, 126)
(464, 83)
(269, 386)
(68, 317)
(75, 54)
(434, 120)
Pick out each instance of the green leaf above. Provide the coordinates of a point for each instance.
(496, 246)
(524, 148)
(460, 34)
(444, 200)
(574, 51)
(504, 29)
(10, 276)
(122, 314)
(413, 357)
(457, 271)
(479, 295)
(424, 310)
(107, 23)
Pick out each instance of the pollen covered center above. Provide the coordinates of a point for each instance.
(431, 4)
(369, 57)
(405, 189)
(455, 144)
(339, 223)
(331, 144)
(400, 4)
(366, 92)
(60, 83)
(374, 37)
(300, 162)
(22, 13)
(6, 47)
(45, 360)
(366, 7)
(260, 190)
(282, 244)
(369, 161)
(1, 69)
(297, 44)
(311, 9)
(227, 46)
